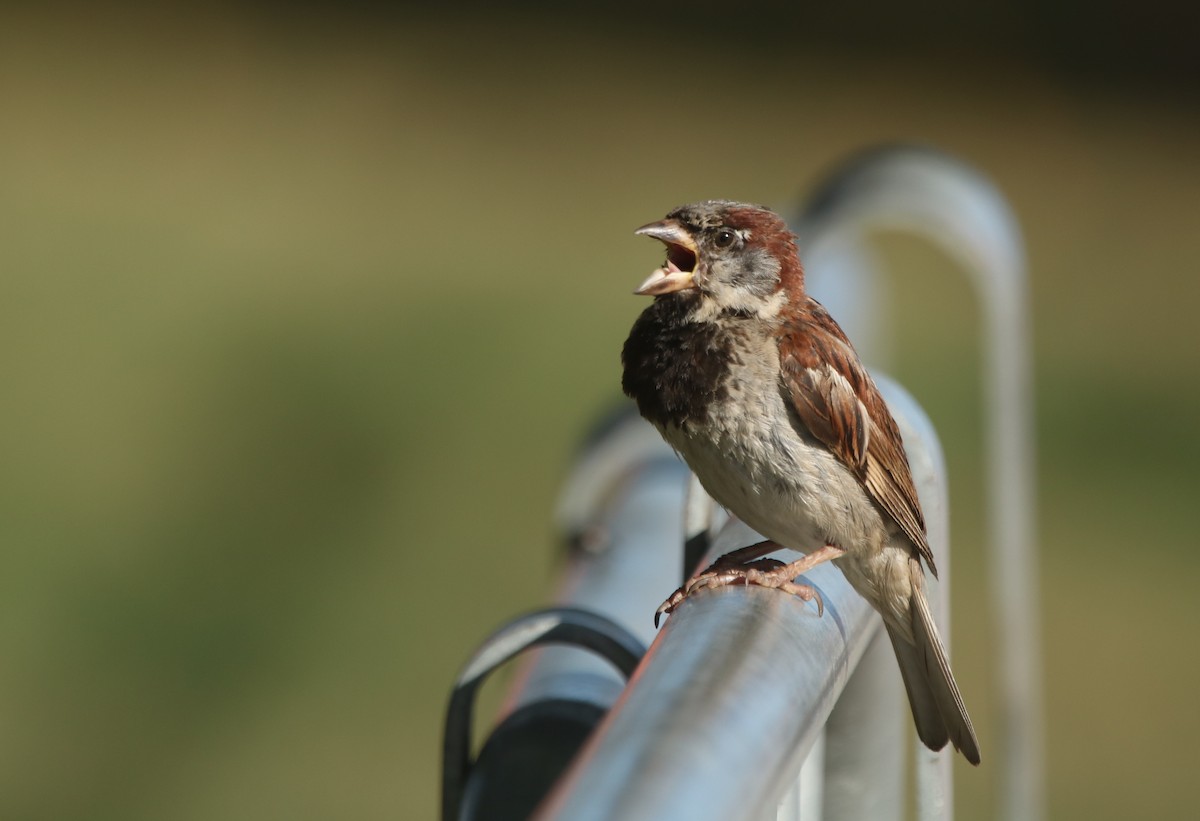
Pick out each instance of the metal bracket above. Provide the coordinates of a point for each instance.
(557, 625)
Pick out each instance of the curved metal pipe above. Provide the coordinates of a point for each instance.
(934, 196)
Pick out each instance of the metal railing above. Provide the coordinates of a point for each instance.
(933, 196)
(747, 704)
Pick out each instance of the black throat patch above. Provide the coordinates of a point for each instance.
(676, 368)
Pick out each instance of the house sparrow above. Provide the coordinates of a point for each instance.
(762, 394)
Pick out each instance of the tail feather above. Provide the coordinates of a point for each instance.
(937, 705)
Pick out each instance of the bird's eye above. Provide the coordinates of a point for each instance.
(725, 238)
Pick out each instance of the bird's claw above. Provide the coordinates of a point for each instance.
(668, 606)
(762, 572)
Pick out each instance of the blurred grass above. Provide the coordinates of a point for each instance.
(299, 325)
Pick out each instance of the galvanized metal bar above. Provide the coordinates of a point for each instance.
(490, 780)
(702, 518)
(621, 504)
(718, 719)
(867, 742)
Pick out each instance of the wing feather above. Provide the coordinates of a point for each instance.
(836, 399)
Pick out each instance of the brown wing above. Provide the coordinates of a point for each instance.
(836, 399)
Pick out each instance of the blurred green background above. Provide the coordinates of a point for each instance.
(302, 313)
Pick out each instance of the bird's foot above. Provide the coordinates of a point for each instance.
(760, 572)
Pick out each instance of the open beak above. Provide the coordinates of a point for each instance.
(676, 273)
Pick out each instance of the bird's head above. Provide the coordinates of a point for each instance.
(729, 257)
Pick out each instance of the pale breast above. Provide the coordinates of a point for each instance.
(754, 457)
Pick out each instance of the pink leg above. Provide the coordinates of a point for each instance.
(745, 555)
(743, 567)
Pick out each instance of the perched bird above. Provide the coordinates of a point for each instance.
(759, 390)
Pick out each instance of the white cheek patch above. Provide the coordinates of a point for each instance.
(772, 305)
(725, 298)
(707, 310)
(759, 296)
